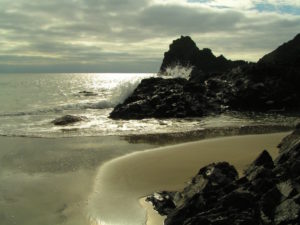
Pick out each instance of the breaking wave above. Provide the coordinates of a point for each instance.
(118, 95)
(177, 71)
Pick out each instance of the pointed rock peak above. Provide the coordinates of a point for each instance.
(184, 42)
(264, 159)
(207, 50)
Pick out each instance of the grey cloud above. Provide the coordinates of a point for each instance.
(174, 19)
(56, 28)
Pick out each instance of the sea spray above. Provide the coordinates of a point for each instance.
(29, 107)
(118, 94)
(124, 90)
(177, 71)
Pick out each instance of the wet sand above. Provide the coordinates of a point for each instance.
(120, 183)
(47, 181)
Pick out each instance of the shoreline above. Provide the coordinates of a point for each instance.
(133, 176)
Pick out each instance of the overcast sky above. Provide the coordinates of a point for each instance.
(132, 35)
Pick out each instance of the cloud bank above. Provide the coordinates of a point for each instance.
(131, 36)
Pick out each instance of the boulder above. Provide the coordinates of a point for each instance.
(67, 119)
(88, 93)
(268, 194)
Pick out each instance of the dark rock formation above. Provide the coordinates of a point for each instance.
(290, 140)
(268, 193)
(162, 98)
(67, 119)
(287, 54)
(88, 93)
(184, 51)
(265, 87)
(270, 85)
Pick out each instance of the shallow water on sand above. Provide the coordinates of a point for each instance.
(48, 181)
(167, 168)
(57, 178)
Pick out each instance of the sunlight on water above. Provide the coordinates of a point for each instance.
(31, 101)
(61, 180)
(50, 181)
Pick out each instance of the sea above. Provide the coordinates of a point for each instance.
(51, 175)
(29, 102)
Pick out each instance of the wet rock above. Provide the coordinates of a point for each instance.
(163, 98)
(269, 202)
(268, 194)
(87, 93)
(287, 212)
(67, 119)
(162, 202)
(290, 140)
(264, 160)
(217, 84)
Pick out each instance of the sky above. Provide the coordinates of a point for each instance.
(132, 35)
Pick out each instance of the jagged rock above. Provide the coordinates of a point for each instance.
(261, 87)
(217, 84)
(162, 202)
(260, 166)
(290, 140)
(268, 194)
(185, 52)
(162, 98)
(67, 119)
(288, 54)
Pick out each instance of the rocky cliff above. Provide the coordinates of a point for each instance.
(267, 194)
(184, 51)
(272, 84)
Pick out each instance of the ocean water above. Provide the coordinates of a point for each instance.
(49, 174)
(29, 102)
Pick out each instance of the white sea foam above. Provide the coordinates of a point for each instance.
(118, 94)
(29, 109)
(177, 71)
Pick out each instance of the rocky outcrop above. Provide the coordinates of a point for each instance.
(184, 51)
(264, 87)
(165, 98)
(267, 194)
(67, 119)
(287, 54)
(271, 85)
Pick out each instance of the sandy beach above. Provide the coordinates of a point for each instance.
(120, 183)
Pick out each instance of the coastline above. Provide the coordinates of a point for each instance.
(128, 178)
(48, 180)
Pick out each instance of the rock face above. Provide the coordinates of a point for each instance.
(164, 98)
(265, 87)
(185, 52)
(66, 120)
(287, 54)
(272, 84)
(267, 194)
